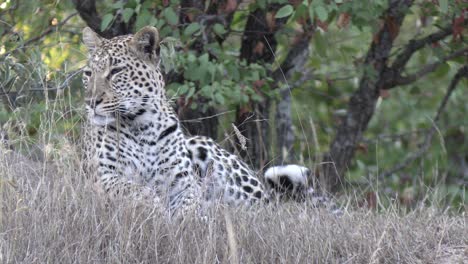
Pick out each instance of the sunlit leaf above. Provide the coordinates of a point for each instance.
(127, 14)
(321, 12)
(219, 98)
(192, 28)
(118, 5)
(285, 11)
(106, 21)
(142, 19)
(219, 29)
(171, 16)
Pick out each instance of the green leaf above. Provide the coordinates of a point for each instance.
(206, 90)
(219, 98)
(133, 4)
(443, 6)
(106, 21)
(320, 44)
(321, 13)
(153, 21)
(233, 71)
(442, 70)
(262, 4)
(415, 90)
(192, 28)
(285, 11)
(118, 5)
(142, 19)
(183, 89)
(171, 16)
(219, 29)
(204, 58)
(127, 14)
(191, 91)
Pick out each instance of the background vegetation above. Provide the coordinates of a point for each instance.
(371, 94)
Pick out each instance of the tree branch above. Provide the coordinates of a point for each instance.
(461, 73)
(415, 45)
(300, 49)
(88, 12)
(393, 72)
(404, 80)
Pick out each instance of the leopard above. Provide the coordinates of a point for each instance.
(135, 145)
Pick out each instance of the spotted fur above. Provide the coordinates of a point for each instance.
(223, 175)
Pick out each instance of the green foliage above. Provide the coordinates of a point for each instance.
(226, 83)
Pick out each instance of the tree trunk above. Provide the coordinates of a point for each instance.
(197, 122)
(253, 50)
(258, 45)
(294, 62)
(284, 126)
(362, 103)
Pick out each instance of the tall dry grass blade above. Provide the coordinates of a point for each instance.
(232, 243)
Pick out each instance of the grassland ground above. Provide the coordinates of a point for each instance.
(50, 214)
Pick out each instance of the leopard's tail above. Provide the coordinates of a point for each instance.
(293, 182)
(288, 181)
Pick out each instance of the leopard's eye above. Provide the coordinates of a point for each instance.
(116, 70)
(87, 73)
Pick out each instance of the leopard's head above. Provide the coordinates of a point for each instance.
(122, 75)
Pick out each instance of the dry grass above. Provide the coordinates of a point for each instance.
(50, 215)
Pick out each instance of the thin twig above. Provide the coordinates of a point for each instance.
(64, 84)
(394, 136)
(461, 73)
(199, 120)
(49, 30)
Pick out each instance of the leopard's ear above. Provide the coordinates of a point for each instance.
(145, 43)
(91, 39)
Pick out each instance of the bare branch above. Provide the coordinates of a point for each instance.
(404, 80)
(415, 45)
(392, 73)
(461, 73)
